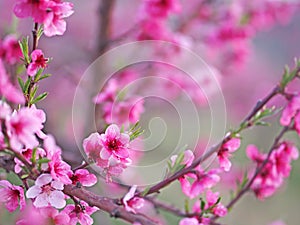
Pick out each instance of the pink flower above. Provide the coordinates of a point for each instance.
(187, 159)
(50, 13)
(228, 147)
(31, 8)
(92, 146)
(47, 191)
(7, 89)
(80, 213)
(275, 170)
(27, 154)
(189, 221)
(161, 8)
(125, 111)
(54, 216)
(114, 143)
(11, 51)
(12, 195)
(109, 93)
(54, 23)
(84, 177)
(132, 203)
(22, 127)
(292, 111)
(5, 110)
(37, 61)
(59, 169)
(193, 185)
(113, 166)
(278, 222)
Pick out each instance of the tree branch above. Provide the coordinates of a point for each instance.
(108, 205)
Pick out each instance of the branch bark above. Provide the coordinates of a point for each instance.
(108, 205)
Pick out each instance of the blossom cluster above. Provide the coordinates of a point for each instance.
(23, 136)
(278, 167)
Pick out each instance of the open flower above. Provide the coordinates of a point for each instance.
(84, 177)
(80, 213)
(47, 191)
(225, 152)
(37, 61)
(12, 195)
(132, 203)
(292, 110)
(114, 143)
(23, 125)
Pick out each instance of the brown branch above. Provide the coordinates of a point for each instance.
(35, 37)
(108, 205)
(103, 37)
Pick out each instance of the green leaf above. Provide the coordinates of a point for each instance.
(21, 83)
(44, 76)
(26, 86)
(145, 192)
(40, 32)
(38, 75)
(43, 160)
(24, 176)
(24, 48)
(40, 97)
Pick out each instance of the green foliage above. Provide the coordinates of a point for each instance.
(135, 131)
(24, 48)
(288, 75)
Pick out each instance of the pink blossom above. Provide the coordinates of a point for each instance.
(50, 146)
(193, 185)
(37, 61)
(113, 166)
(278, 222)
(153, 30)
(22, 127)
(54, 23)
(59, 169)
(35, 216)
(27, 154)
(129, 110)
(80, 213)
(274, 171)
(47, 191)
(12, 195)
(132, 203)
(54, 216)
(217, 208)
(225, 151)
(92, 146)
(30, 8)
(109, 93)
(114, 143)
(292, 110)
(84, 177)
(50, 13)
(161, 8)
(187, 159)
(189, 221)
(7, 89)
(5, 110)
(11, 51)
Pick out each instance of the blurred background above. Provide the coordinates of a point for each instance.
(243, 82)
